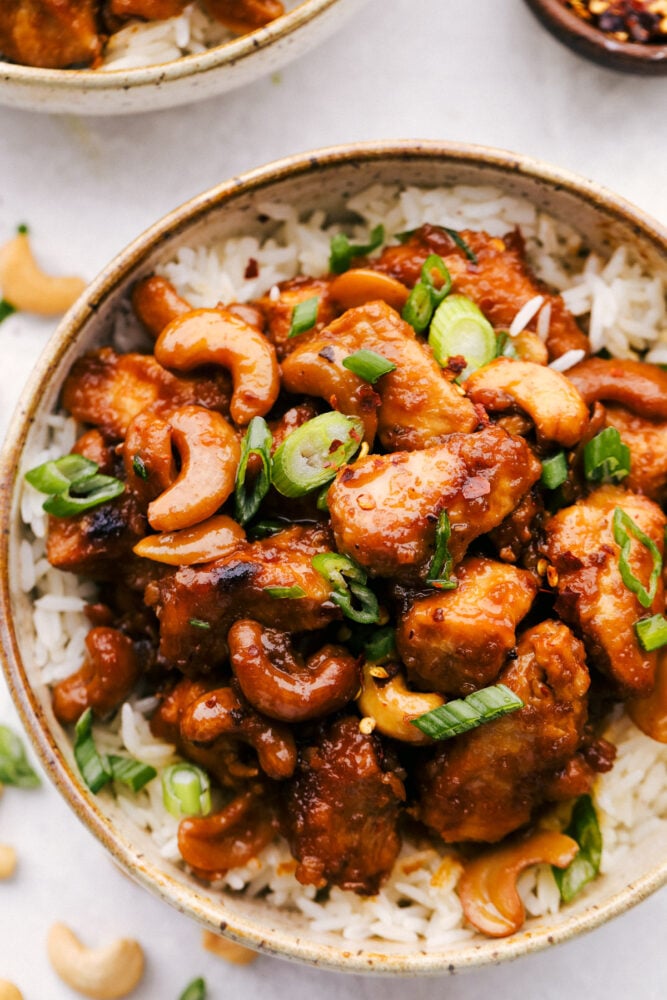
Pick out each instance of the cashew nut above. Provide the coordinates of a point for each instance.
(487, 888)
(650, 714)
(213, 844)
(529, 347)
(8, 991)
(229, 950)
(109, 672)
(216, 336)
(392, 705)
(360, 285)
(551, 401)
(212, 539)
(639, 386)
(7, 861)
(156, 303)
(101, 973)
(148, 457)
(28, 288)
(278, 683)
(210, 454)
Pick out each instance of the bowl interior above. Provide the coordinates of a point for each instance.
(319, 181)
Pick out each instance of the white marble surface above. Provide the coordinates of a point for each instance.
(473, 70)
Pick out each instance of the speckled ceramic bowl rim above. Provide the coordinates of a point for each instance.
(591, 41)
(227, 54)
(188, 899)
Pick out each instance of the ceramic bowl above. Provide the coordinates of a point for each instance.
(182, 81)
(584, 38)
(324, 179)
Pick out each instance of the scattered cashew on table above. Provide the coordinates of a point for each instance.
(105, 973)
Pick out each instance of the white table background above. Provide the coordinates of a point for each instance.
(471, 70)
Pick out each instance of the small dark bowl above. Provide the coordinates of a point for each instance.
(587, 40)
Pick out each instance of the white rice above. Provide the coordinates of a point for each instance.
(623, 308)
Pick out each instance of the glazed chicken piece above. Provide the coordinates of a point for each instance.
(384, 508)
(53, 34)
(485, 784)
(592, 596)
(647, 441)
(417, 404)
(242, 16)
(99, 542)
(456, 641)
(196, 605)
(147, 10)
(341, 811)
(498, 280)
(278, 309)
(108, 390)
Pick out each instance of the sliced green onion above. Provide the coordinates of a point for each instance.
(323, 498)
(585, 829)
(14, 766)
(196, 990)
(199, 623)
(554, 471)
(22, 229)
(83, 495)
(652, 632)
(459, 327)
(425, 297)
(312, 454)
(606, 458)
(624, 527)
(6, 309)
(461, 244)
(459, 716)
(440, 569)
(342, 252)
(304, 316)
(348, 582)
(368, 365)
(92, 765)
(381, 646)
(186, 790)
(133, 773)
(59, 474)
(505, 346)
(139, 467)
(265, 529)
(257, 441)
(437, 264)
(282, 592)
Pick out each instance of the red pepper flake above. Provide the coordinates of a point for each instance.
(334, 446)
(251, 268)
(476, 486)
(455, 364)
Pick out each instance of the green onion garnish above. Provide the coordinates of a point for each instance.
(312, 454)
(440, 569)
(282, 592)
(368, 365)
(6, 309)
(437, 264)
(348, 581)
(139, 467)
(265, 529)
(257, 441)
(459, 327)
(186, 790)
(58, 475)
(323, 498)
(461, 244)
(459, 716)
(554, 471)
(199, 623)
(84, 495)
(304, 316)
(504, 346)
(14, 766)
(425, 297)
(22, 229)
(606, 458)
(585, 829)
(196, 990)
(133, 773)
(92, 765)
(342, 252)
(652, 632)
(381, 645)
(624, 527)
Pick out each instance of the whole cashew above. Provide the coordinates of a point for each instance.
(221, 714)
(28, 288)
(210, 454)
(392, 705)
(216, 336)
(229, 838)
(8, 991)
(147, 448)
(156, 303)
(109, 672)
(639, 386)
(279, 684)
(551, 401)
(487, 888)
(212, 539)
(229, 950)
(101, 973)
(650, 714)
(8, 861)
(360, 285)
(529, 347)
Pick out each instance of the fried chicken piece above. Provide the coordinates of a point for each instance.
(647, 441)
(384, 508)
(196, 605)
(456, 641)
(53, 34)
(341, 811)
(485, 784)
(148, 10)
(278, 308)
(516, 538)
(97, 543)
(592, 596)
(242, 16)
(499, 280)
(108, 390)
